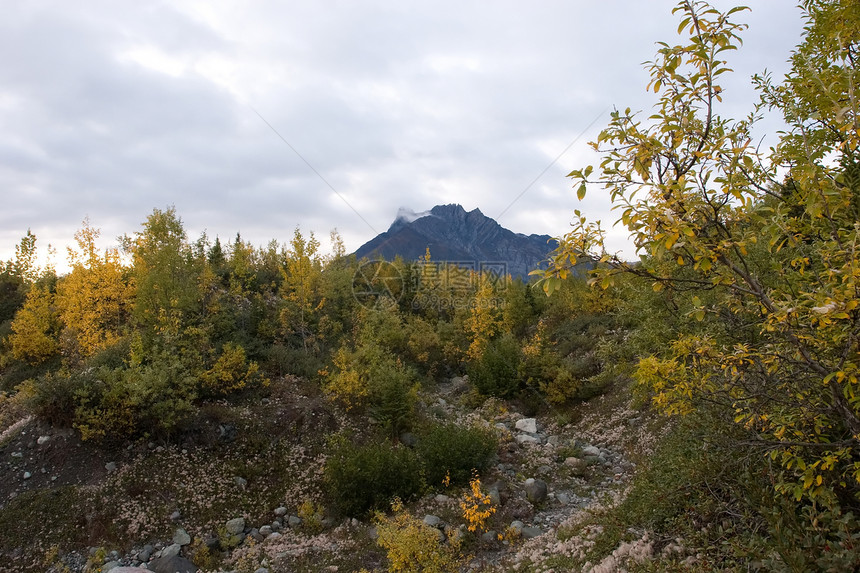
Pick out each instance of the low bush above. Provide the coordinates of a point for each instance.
(451, 451)
(496, 373)
(362, 478)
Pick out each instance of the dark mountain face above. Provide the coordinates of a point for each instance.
(455, 235)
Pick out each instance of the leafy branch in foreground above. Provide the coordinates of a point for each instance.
(762, 246)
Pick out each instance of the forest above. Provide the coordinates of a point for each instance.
(735, 336)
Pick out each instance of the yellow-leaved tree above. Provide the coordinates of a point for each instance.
(94, 300)
(760, 249)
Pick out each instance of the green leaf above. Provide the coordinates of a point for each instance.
(580, 193)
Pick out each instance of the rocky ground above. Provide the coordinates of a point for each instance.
(553, 475)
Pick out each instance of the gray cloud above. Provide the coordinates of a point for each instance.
(110, 109)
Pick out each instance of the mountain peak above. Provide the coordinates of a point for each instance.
(456, 235)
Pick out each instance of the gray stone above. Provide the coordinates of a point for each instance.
(576, 465)
(262, 570)
(528, 425)
(552, 440)
(524, 439)
(240, 481)
(145, 553)
(563, 498)
(236, 526)
(489, 537)
(591, 451)
(110, 466)
(281, 511)
(494, 495)
(531, 532)
(536, 490)
(408, 439)
(174, 564)
(517, 526)
(181, 537)
(266, 530)
(442, 498)
(110, 566)
(295, 521)
(275, 535)
(43, 440)
(27, 475)
(433, 521)
(170, 550)
(276, 525)
(175, 516)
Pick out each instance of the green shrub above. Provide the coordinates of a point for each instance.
(362, 478)
(496, 372)
(451, 450)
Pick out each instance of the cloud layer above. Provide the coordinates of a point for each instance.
(110, 109)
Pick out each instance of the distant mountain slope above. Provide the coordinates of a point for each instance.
(455, 235)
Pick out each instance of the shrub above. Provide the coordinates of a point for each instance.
(413, 546)
(362, 478)
(454, 451)
(495, 373)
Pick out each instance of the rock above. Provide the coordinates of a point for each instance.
(27, 475)
(110, 566)
(524, 439)
(256, 535)
(591, 451)
(174, 564)
(281, 511)
(563, 498)
(489, 537)
(544, 470)
(170, 551)
(43, 440)
(181, 537)
(175, 516)
(240, 481)
(531, 532)
(144, 554)
(433, 521)
(576, 465)
(275, 535)
(262, 570)
(236, 526)
(276, 525)
(517, 526)
(502, 427)
(528, 425)
(552, 440)
(227, 433)
(494, 495)
(266, 530)
(110, 466)
(536, 490)
(408, 439)
(294, 521)
(441, 498)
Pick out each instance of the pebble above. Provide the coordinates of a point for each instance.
(43, 439)
(528, 425)
(281, 511)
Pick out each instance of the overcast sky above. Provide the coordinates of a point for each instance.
(111, 109)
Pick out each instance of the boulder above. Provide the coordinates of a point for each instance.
(175, 564)
(236, 526)
(528, 425)
(181, 537)
(536, 490)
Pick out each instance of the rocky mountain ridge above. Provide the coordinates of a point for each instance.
(455, 235)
